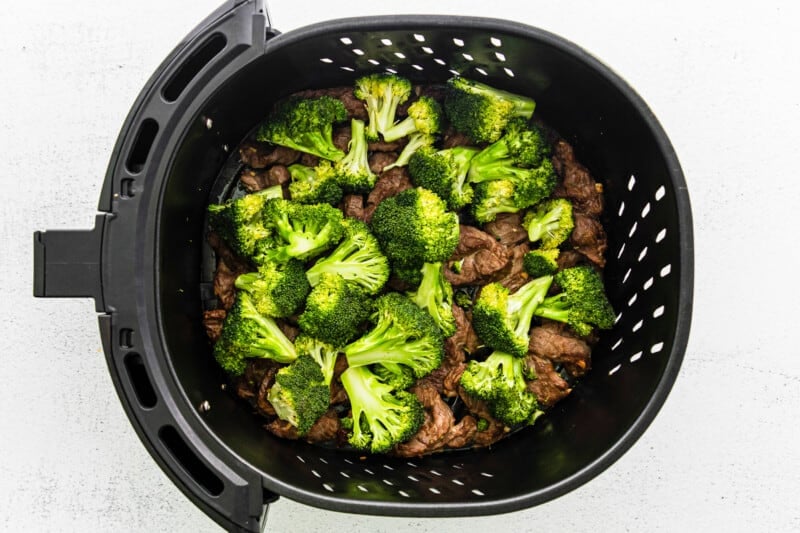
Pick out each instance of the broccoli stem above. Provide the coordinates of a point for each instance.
(554, 308)
(405, 127)
(524, 302)
(544, 226)
(277, 346)
(415, 142)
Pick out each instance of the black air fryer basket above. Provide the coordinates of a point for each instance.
(142, 264)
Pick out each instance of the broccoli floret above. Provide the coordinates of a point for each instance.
(424, 116)
(415, 227)
(444, 172)
(318, 185)
(276, 289)
(541, 262)
(403, 334)
(582, 303)
(239, 221)
(382, 93)
(305, 125)
(492, 198)
(502, 320)
(410, 273)
(299, 231)
(352, 172)
(323, 353)
(551, 223)
(481, 111)
(500, 382)
(246, 333)
(382, 416)
(463, 299)
(334, 310)
(435, 295)
(415, 142)
(358, 258)
(300, 395)
(399, 377)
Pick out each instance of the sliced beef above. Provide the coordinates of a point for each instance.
(213, 320)
(453, 138)
(224, 279)
(355, 107)
(353, 206)
(341, 137)
(383, 146)
(462, 434)
(454, 349)
(495, 431)
(283, 429)
(290, 330)
(478, 255)
(507, 229)
(260, 155)
(577, 183)
(379, 160)
(553, 341)
(451, 380)
(391, 183)
(569, 259)
(589, 238)
(549, 387)
(262, 403)
(309, 160)
(256, 371)
(257, 180)
(338, 394)
(433, 432)
(514, 276)
(325, 428)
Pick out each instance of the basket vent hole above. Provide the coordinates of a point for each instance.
(642, 254)
(386, 42)
(509, 72)
(458, 42)
(386, 481)
(635, 357)
(647, 284)
(391, 71)
(373, 62)
(328, 487)
(327, 60)
(455, 72)
(633, 229)
(621, 250)
(661, 234)
(192, 66)
(496, 42)
(487, 474)
(400, 55)
(458, 482)
(137, 158)
(189, 460)
(481, 71)
(415, 66)
(619, 315)
(126, 189)
(345, 475)
(658, 311)
(614, 370)
(636, 327)
(477, 492)
(468, 57)
(440, 61)
(427, 49)
(348, 69)
(316, 474)
(419, 38)
(646, 209)
(500, 56)
(631, 183)
(403, 493)
(346, 40)
(666, 270)
(621, 209)
(435, 473)
(362, 488)
(626, 276)
(358, 51)
(633, 299)
(323, 461)
(434, 490)
(657, 347)
(616, 344)
(140, 380)
(300, 459)
(660, 192)
(412, 478)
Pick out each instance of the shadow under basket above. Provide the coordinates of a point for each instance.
(142, 264)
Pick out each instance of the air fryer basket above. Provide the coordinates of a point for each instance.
(141, 263)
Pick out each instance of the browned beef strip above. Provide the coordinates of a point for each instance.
(291, 331)
(353, 206)
(391, 183)
(262, 403)
(452, 138)
(383, 146)
(482, 257)
(224, 280)
(589, 238)
(438, 422)
(260, 155)
(378, 160)
(338, 394)
(257, 180)
(325, 428)
(569, 259)
(283, 429)
(549, 387)
(507, 229)
(341, 137)
(452, 380)
(577, 183)
(462, 434)
(355, 107)
(212, 321)
(309, 160)
(496, 430)
(454, 352)
(553, 341)
(514, 275)
(256, 371)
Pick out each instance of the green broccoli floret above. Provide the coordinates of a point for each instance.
(352, 172)
(551, 223)
(492, 198)
(358, 258)
(246, 333)
(541, 262)
(410, 273)
(300, 395)
(500, 382)
(334, 310)
(305, 125)
(323, 353)
(415, 227)
(415, 142)
(299, 231)
(276, 289)
(582, 303)
(318, 185)
(424, 116)
(481, 111)
(399, 377)
(382, 416)
(444, 172)
(463, 299)
(502, 320)
(403, 334)
(382, 93)
(435, 295)
(239, 221)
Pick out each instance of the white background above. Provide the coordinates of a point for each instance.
(723, 454)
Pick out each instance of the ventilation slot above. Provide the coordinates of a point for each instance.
(191, 464)
(181, 79)
(137, 374)
(141, 146)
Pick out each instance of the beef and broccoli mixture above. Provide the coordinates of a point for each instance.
(413, 269)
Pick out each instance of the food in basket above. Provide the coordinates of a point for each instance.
(412, 268)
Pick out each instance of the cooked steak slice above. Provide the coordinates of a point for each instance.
(325, 428)
(589, 238)
(549, 387)
(476, 259)
(341, 137)
(378, 160)
(507, 229)
(552, 341)
(569, 259)
(453, 138)
(462, 434)
(383, 146)
(577, 183)
(391, 183)
(438, 421)
(260, 155)
(213, 320)
(495, 431)
(454, 353)
(224, 280)
(353, 206)
(514, 275)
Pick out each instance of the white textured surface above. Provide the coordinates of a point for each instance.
(721, 456)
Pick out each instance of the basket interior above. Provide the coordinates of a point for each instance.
(611, 135)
